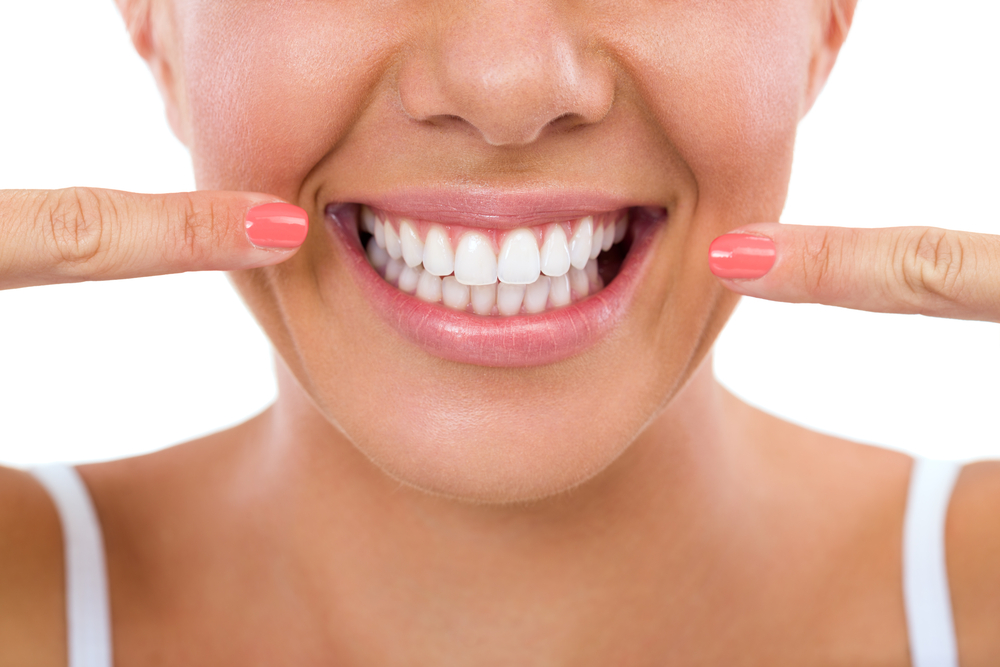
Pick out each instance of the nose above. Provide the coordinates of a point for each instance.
(510, 69)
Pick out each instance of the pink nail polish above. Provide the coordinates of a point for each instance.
(741, 256)
(277, 225)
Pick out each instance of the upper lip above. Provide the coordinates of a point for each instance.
(495, 208)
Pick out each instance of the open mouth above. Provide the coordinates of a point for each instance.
(522, 290)
(494, 272)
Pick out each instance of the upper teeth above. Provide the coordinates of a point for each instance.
(439, 258)
(519, 263)
(474, 259)
(475, 262)
(579, 245)
(555, 256)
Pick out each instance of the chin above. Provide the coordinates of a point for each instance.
(510, 450)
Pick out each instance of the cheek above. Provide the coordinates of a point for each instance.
(270, 87)
(724, 81)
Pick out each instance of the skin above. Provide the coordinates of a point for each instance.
(656, 521)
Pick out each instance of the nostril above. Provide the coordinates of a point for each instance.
(568, 121)
(446, 119)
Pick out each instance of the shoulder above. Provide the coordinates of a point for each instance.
(973, 556)
(32, 605)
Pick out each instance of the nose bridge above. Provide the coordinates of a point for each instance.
(509, 68)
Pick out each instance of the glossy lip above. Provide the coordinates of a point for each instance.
(516, 341)
(497, 210)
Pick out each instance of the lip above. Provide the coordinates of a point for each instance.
(515, 341)
(495, 209)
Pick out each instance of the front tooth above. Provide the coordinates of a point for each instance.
(455, 294)
(392, 245)
(411, 245)
(595, 246)
(509, 298)
(368, 219)
(483, 298)
(578, 281)
(429, 287)
(609, 236)
(537, 295)
(580, 244)
(439, 258)
(409, 278)
(620, 228)
(519, 261)
(377, 257)
(559, 291)
(393, 270)
(380, 233)
(475, 263)
(555, 252)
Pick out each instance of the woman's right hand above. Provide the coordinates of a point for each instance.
(78, 234)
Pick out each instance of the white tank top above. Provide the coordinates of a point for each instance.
(88, 613)
(925, 577)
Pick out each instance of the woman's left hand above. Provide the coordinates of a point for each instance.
(923, 270)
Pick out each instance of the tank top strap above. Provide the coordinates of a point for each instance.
(88, 613)
(926, 595)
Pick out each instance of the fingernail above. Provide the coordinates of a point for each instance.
(277, 225)
(741, 256)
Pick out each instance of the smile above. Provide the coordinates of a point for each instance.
(498, 295)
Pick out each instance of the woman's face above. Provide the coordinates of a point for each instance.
(476, 119)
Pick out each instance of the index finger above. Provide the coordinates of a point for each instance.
(925, 270)
(55, 236)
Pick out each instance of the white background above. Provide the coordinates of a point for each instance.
(906, 133)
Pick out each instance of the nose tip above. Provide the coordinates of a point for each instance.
(512, 75)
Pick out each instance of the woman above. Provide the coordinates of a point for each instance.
(459, 470)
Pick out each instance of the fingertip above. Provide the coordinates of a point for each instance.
(741, 256)
(277, 226)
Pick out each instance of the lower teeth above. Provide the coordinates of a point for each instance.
(497, 299)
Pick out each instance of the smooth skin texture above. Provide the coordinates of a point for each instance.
(647, 517)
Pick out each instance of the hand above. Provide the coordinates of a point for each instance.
(59, 236)
(921, 270)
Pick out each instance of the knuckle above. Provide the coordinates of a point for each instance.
(77, 224)
(195, 234)
(930, 264)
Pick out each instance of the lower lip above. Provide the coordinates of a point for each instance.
(510, 342)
